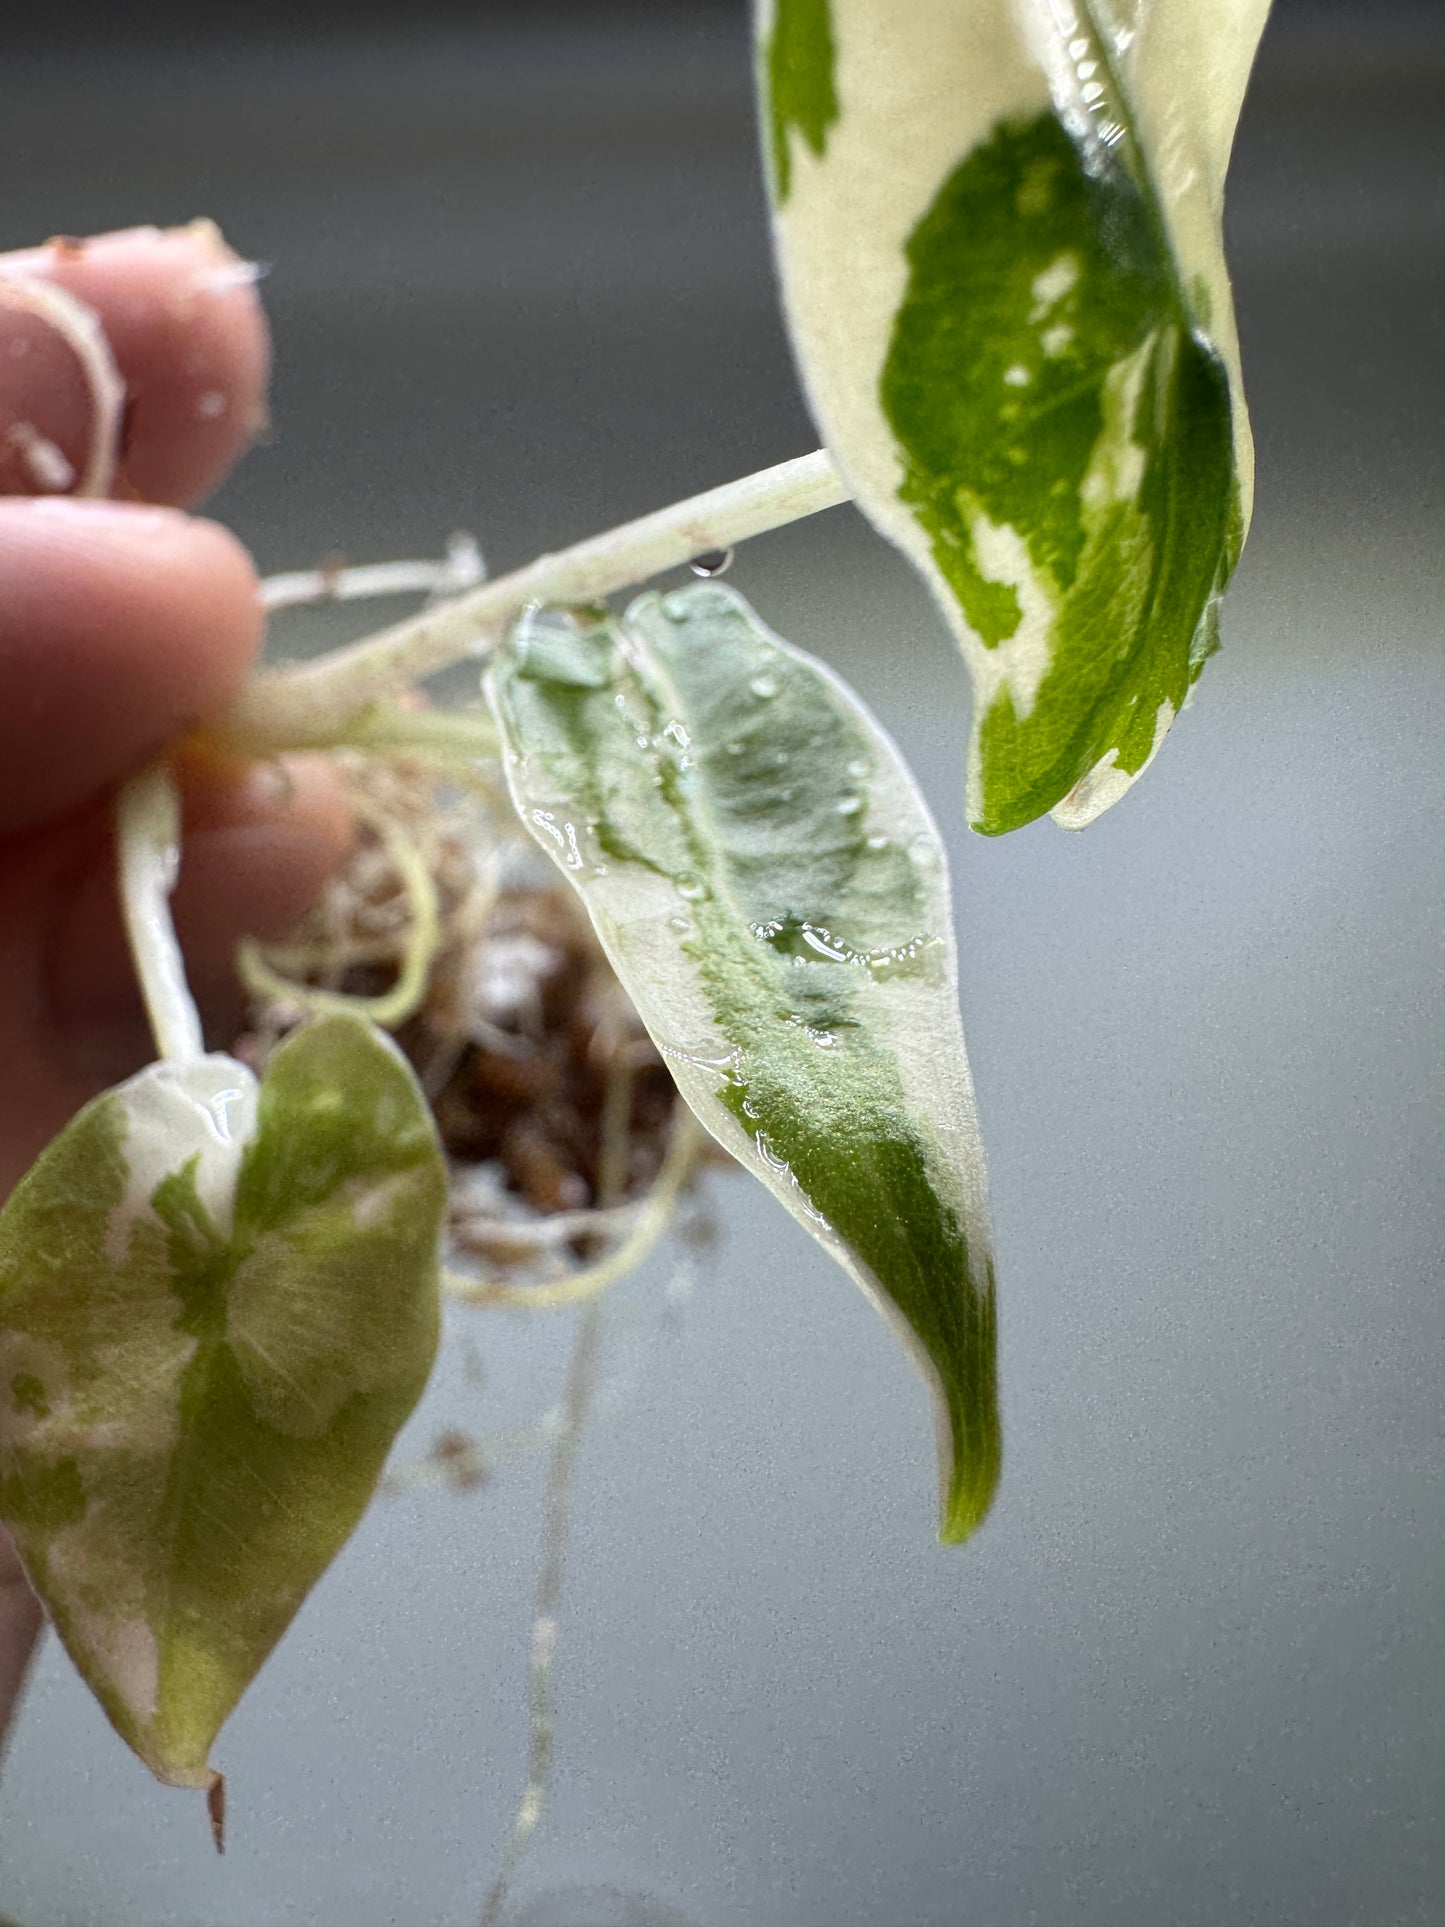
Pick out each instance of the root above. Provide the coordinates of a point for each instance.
(649, 1222)
(569, 1148)
(460, 568)
(420, 941)
(79, 328)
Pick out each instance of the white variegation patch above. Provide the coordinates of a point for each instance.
(1019, 665)
(1118, 463)
(108, 1620)
(1106, 782)
(204, 1109)
(1050, 286)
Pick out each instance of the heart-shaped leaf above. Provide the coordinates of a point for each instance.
(218, 1304)
(999, 229)
(770, 888)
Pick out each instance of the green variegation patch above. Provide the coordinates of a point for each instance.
(797, 52)
(771, 890)
(1007, 289)
(218, 1304)
(1068, 449)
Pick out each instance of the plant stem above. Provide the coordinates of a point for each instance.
(311, 704)
(148, 833)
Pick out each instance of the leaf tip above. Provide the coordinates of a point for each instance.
(968, 1501)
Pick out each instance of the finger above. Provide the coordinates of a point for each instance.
(184, 324)
(258, 853)
(258, 850)
(120, 627)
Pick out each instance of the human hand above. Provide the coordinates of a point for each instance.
(123, 623)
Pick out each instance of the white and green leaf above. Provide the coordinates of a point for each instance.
(771, 890)
(218, 1304)
(998, 224)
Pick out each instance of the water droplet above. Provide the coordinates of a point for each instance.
(859, 767)
(770, 1157)
(714, 562)
(679, 923)
(691, 887)
(850, 804)
(925, 852)
(764, 687)
(878, 841)
(780, 759)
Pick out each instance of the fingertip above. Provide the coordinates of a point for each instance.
(181, 314)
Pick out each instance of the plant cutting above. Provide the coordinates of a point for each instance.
(1021, 358)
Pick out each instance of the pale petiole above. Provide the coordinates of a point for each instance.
(317, 704)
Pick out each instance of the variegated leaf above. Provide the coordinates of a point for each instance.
(998, 226)
(771, 890)
(218, 1304)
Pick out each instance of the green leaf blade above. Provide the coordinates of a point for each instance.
(772, 892)
(1006, 285)
(201, 1373)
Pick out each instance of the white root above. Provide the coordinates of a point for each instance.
(418, 952)
(79, 328)
(461, 568)
(652, 1217)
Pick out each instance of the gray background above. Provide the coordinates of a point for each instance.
(1191, 1670)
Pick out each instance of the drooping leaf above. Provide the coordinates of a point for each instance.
(771, 890)
(1005, 280)
(218, 1304)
